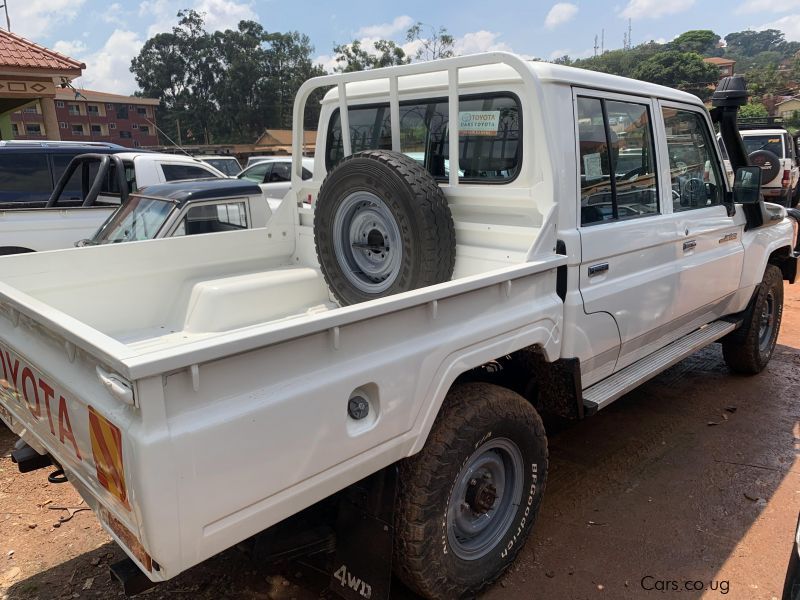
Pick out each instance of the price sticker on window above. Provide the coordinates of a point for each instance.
(478, 122)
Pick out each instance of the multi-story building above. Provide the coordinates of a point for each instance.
(91, 116)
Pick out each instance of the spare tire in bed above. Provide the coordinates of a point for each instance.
(382, 226)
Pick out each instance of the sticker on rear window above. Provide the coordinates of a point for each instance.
(478, 122)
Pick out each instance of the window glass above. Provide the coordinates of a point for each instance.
(694, 172)
(617, 166)
(178, 172)
(633, 155)
(138, 219)
(213, 218)
(306, 174)
(489, 130)
(772, 143)
(229, 166)
(595, 164)
(281, 171)
(122, 111)
(257, 173)
(24, 177)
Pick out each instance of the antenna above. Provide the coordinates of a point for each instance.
(4, 6)
(629, 34)
(602, 41)
(595, 45)
(162, 132)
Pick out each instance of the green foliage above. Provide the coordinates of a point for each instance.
(354, 57)
(753, 110)
(683, 70)
(438, 43)
(750, 43)
(225, 86)
(701, 41)
(765, 80)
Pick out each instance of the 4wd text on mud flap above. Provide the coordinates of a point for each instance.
(347, 579)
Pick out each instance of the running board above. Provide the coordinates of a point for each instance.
(604, 393)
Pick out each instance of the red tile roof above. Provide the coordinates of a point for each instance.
(18, 53)
(717, 60)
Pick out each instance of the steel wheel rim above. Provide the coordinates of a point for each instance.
(766, 323)
(495, 470)
(366, 242)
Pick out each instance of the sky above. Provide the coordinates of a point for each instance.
(107, 35)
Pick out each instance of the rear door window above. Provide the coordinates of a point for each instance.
(773, 143)
(24, 177)
(489, 135)
(177, 172)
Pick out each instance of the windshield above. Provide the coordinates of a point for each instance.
(229, 166)
(772, 143)
(138, 219)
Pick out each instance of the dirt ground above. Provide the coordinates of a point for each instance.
(688, 487)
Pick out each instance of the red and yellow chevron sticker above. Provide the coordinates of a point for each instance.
(107, 451)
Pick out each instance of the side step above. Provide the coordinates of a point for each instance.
(620, 383)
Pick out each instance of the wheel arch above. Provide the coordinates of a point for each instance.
(784, 259)
(537, 335)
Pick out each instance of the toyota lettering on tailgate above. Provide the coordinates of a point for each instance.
(27, 388)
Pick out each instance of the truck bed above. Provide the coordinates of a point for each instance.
(233, 337)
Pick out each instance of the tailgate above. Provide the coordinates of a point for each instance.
(59, 404)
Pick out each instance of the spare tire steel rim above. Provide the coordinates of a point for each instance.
(485, 499)
(366, 241)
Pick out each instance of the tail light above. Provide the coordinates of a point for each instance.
(785, 180)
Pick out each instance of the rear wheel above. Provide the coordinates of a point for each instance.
(750, 348)
(468, 500)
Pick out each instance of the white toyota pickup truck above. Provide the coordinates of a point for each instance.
(62, 223)
(388, 342)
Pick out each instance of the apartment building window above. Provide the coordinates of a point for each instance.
(77, 129)
(109, 106)
(136, 144)
(92, 110)
(33, 129)
(135, 126)
(112, 125)
(144, 129)
(62, 125)
(122, 111)
(130, 107)
(125, 135)
(59, 104)
(97, 130)
(74, 109)
(141, 110)
(31, 110)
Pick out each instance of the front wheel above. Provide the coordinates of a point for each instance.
(749, 349)
(468, 500)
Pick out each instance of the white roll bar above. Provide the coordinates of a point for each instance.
(451, 66)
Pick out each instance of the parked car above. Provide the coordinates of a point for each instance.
(773, 149)
(185, 208)
(274, 174)
(383, 353)
(72, 212)
(226, 164)
(30, 170)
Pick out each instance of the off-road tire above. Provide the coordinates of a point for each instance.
(474, 416)
(417, 206)
(747, 351)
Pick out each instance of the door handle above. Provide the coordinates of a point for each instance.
(689, 245)
(597, 269)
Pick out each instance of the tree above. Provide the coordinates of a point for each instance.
(682, 70)
(438, 44)
(749, 43)
(354, 57)
(753, 109)
(701, 41)
(766, 80)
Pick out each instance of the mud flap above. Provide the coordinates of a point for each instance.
(362, 565)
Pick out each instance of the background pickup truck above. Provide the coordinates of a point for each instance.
(383, 350)
(64, 221)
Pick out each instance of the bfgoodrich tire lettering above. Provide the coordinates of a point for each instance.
(478, 422)
(382, 226)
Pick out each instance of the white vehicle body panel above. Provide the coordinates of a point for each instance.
(241, 365)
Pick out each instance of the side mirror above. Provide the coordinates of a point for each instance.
(747, 185)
